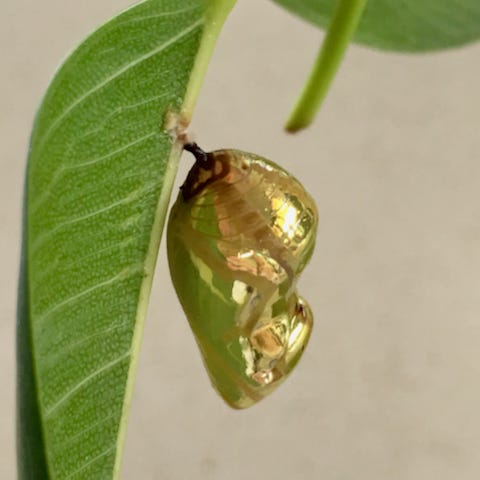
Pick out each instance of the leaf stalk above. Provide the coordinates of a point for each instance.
(344, 22)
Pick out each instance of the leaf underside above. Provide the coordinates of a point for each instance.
(403, 25)
(98, 164)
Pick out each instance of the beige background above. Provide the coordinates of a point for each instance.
(390, 385)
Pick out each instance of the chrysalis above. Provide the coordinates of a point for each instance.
(240, 233)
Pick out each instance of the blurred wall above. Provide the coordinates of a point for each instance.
(389, 387)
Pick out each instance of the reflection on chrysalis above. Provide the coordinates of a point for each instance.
(240, 233)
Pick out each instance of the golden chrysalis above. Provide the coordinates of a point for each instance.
(240, 233)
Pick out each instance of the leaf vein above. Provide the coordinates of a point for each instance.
(52, 359)
(79, 260)
(41, 239)
(90, 462)
(77, 296)
(68, 395)
(59, 172)
(159, 15)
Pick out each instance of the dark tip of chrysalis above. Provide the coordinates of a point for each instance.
(200, 155)
(209, 167)
(204, 163)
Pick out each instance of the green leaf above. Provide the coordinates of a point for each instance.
(100, 173)
(408, 25)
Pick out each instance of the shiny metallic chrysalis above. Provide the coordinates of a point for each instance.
(240, 233)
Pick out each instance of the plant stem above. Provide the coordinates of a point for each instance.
(216, 14)
(343, 25)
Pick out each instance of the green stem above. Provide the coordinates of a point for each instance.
(216, 14)
(343, 25)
